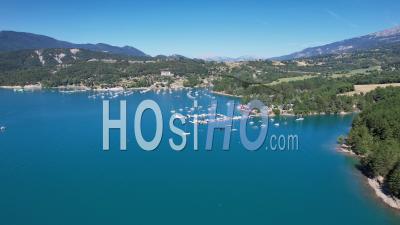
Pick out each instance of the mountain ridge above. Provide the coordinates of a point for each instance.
(372, 40)
(14, 41)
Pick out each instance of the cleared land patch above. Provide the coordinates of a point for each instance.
(290, 79)
(365, 88)
(356, 72)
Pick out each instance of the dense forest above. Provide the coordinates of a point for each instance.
(375, 135)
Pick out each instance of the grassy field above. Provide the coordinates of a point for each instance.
(290, 79)
(365, 88)
(355, 72)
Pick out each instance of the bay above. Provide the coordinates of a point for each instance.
(53, 169)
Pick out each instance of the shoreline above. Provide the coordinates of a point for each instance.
(225, 94)
(39, 86)
(82, 88)
(69, 87)
(374, 184)
(345, 149)
(389, 200)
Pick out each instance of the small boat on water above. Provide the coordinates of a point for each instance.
(145, 91)
(178, 116)
(189, 95)
(2, 128)
(300, 119)
(276, 124)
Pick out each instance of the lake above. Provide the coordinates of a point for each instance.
(53, 169)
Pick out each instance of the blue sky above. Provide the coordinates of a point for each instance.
(202, 28)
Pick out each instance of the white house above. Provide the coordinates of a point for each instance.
(166, 73)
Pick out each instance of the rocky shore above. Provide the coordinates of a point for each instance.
(375, 183)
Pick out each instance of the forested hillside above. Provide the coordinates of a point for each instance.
(375, 134)
(55, 67)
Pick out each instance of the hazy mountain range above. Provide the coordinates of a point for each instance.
(374, 40)
(12, 41)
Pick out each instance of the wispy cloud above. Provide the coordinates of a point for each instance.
(341, 19)
(393, 23)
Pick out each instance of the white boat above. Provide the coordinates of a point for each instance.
(189, 95)
(251, 122)
(145, 91)
(18, 90)
(180, 116)
(276, 124)
(300, 119)
(2, 128)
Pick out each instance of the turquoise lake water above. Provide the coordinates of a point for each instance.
(53, 169)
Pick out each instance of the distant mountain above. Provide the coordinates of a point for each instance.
(12, 41)
(374, 40)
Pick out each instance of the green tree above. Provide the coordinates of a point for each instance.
(393, 182)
